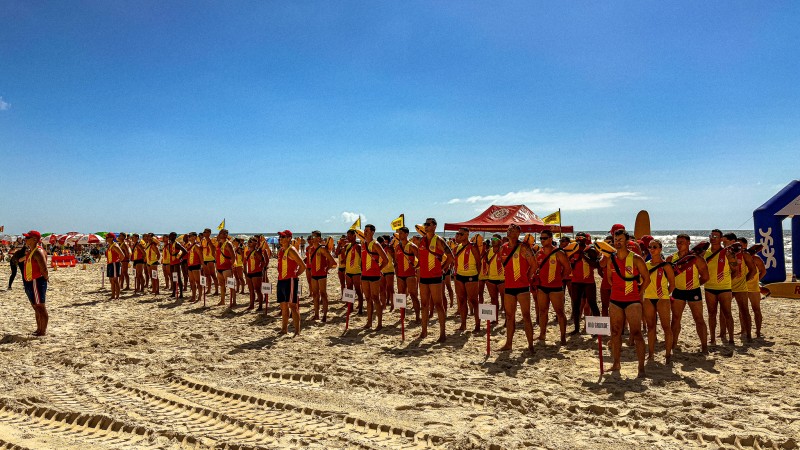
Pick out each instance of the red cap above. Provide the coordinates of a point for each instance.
(617, 226)
(646, 239)
(111, 235)
(285, 233)
(33, 233)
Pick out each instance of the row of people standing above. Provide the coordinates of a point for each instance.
(509, 268)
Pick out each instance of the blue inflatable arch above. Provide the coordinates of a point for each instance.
(768, 223)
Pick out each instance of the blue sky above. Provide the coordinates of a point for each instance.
(172, 115)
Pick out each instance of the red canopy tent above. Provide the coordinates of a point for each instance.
(497, 218)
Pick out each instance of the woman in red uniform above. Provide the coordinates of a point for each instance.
(290, 267)
(553, 268)
(628, 275)
(519, 266)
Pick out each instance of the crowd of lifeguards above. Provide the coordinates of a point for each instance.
(638, 284)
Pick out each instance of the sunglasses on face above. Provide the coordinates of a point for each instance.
(429, 224)
(543, 238)
(654, 247)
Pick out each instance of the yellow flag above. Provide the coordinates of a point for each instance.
(221, 225)
(552, 219)
(356, 225)
(398, 223)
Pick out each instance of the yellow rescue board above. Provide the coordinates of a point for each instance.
(784, 290)
(642, 227)
(604, 247)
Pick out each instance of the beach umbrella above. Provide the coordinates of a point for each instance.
(272, 240)
(90, 239)
(70, 239)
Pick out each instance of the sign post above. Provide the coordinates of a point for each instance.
(175, 284)
(203, 288)
(601, 326)
(266, 289)
(349, 296)
(488, 312)
(400, 302)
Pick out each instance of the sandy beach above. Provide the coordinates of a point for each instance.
(149, 372)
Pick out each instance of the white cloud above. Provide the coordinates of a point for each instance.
(350, 217)
(546, 200)
(4, 106)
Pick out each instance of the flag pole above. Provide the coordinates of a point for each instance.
(560, 231)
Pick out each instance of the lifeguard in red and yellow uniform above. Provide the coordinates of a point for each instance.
(519, 266)
(629, 277)
(433, 256)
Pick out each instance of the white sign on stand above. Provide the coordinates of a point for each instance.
(598, 325)
(202, 281)
(155, 274)
(231, 283)
(487, 311)
(349, 295)
(400, 300)
(266, 288)
(175, 277)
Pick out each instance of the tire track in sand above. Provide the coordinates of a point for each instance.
(89, 430)
(214, 427)
(5, 445)
(330, 424)
(633, 424)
